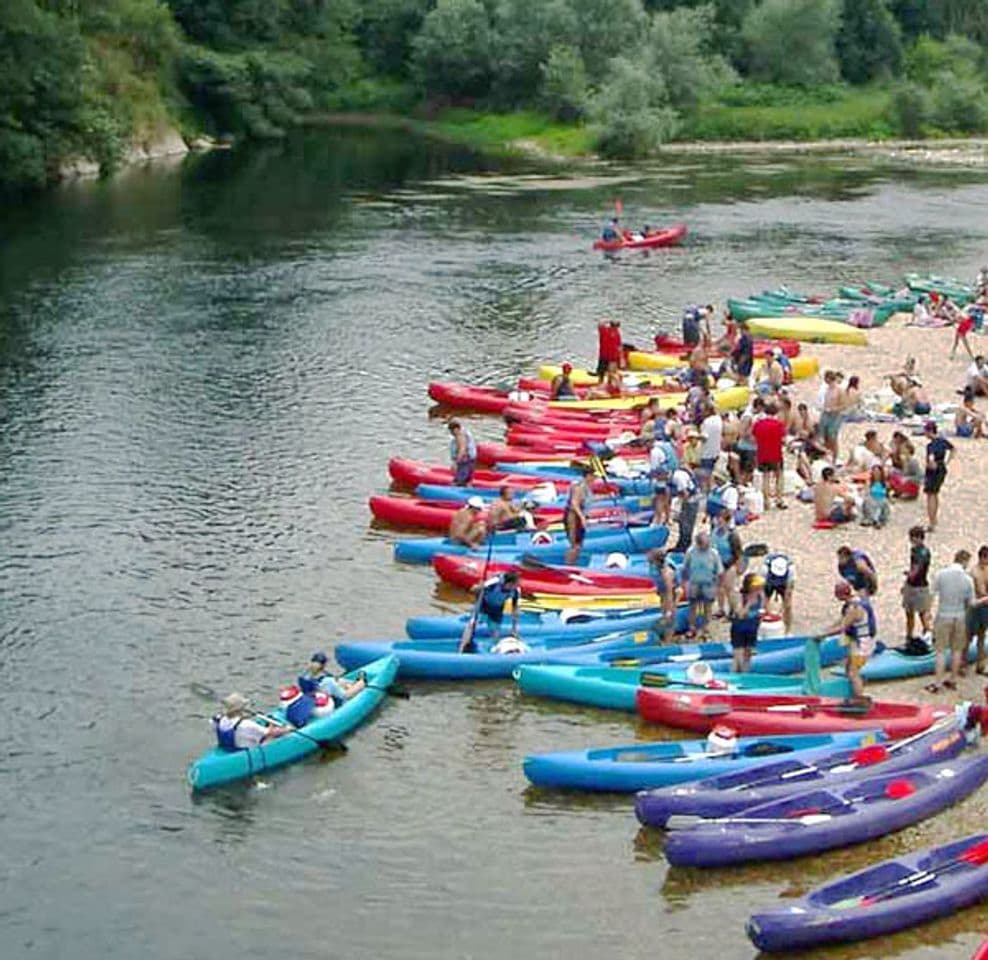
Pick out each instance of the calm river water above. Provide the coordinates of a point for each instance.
(203, 372)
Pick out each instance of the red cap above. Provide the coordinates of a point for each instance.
(567, 368)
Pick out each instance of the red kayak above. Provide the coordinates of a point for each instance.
(466, 572)
(765, 714)
(489, 454)
(541, 413)
(410, 473)
(763, 348)
(464, 397)
(667, 237)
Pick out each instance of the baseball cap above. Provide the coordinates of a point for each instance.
(475, 503)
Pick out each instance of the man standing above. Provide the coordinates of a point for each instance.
(575, 515)
(711, 430)
(858, 629)
(978, 621)
(769, 433)
(831, 413)
(702, 570)
(955, 594)
(939, 453)
(683, 487)
(780, 581)
(916, 596)
(743, 354)
(664, 575)
(609, 347)
(462, 453)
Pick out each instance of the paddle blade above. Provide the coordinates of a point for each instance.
(654, 680)
(875, 753)
(899, 789)
(977, 854)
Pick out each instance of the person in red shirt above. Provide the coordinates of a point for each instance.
(609, 346)
(769, 433)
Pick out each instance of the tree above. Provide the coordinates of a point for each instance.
(869, 43)
(631, 113)
(452, 53)
(564, 84)
(728, 15)
(608, 29)
(791, 42)
(385, 32)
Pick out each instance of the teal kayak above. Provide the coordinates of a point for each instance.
(614, 687)
(218, 766)
(892, 664)
(958, 291)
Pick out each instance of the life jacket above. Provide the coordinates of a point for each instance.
(715, 499)
(671, 459)
(753, 616)
(299, 711)
(859, 632)
(691, 327)
(777, 569)
(226, 737)
(850, 572)
(721, 540)
(496, 594)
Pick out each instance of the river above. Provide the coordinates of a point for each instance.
(203, 372)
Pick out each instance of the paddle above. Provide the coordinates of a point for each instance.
(600, 471)
(322, 744)
(894, 790)
(805, 709)
(467, 644)
(973, 856)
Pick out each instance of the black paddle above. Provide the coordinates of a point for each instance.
(322, 744)
(848, 708)
(467, 644)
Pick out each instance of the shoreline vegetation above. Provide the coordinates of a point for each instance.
(87, 86)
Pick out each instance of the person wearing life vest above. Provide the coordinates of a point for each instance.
(462, 452)
(858, 628)
(856, 567)
(609, 346)
(236, 728)
(701, 571)
(562, 387)
(662, 461)
(317, 678)
(493, 595)
(575, 515)
(725, 540)
(664, 575)
(745, 622)
(780, 580)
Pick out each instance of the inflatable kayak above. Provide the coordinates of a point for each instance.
(410, 473)
(666, 237)
(725, 795)
(763, 715)
(218, 766)
(725, 398)
(641, 766)
(614, 688)
(893, 664)
(808, 329)
(490, 453)
(802, 367)
(817, 820)
(548, 546)
(441, 660)
(762, 348)
(893, 895)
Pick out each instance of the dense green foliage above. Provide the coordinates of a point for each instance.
(85, 78)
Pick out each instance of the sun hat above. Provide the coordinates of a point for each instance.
(235, 703)
(475, 503)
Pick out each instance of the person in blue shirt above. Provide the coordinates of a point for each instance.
(493, 595)
(939, 453)
(743, 354)
(701, 572)
(611, 231)
(858, 570)
(745, 623)
(314, 678)
(859, 632)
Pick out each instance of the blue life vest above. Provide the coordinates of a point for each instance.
(859, 630)
(227, 739)
(721, 539)
(299, 711)
(671, 457)
(715, 500)
(496, 594)
(752, 620)
(850, 572)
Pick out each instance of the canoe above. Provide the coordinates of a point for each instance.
(466, 572)
(642, 766)
(218, 766)
(773, 780)
(438, 493)
(763, 715)
(463, 396)
(440, 659)
(895, 894)
(893, 664)
(666, 237)
(614, 688)
(584, 377)
(817, 820)
(410, 473)
(803, 367)
(808, 329)
(509, 546)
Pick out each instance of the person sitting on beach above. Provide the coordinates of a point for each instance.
(977, 376)
(913, 399)
(875, 509)
(968, 421)
(921, 314)
(467, 526)
(902, 455)
(562, 387)
(869, 453)
(831, 502)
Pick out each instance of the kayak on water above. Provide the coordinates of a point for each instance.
(641, 766)
(614, 688)
(725, 795)
(895, 894)
(666, 237)
(821, 819)
(219, 766)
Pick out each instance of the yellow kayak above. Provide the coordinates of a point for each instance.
(809, 329)
(802, 367)
(628, 601)
(730, 398)
(581, 377)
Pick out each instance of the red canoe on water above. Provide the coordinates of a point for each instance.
(466, 572)
(763, 348)
(764, 714)
(489, 454)
(667, 237)
(410, 473)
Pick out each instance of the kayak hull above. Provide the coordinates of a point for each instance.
(535, 624)
(667, 237)
(858, 811)
(217, 767)
(808, 329)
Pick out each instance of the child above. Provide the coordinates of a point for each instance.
(875, 509)
(744, 626)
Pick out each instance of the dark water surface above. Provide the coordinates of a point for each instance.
(203, 372)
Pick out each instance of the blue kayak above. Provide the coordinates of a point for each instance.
(630, 486)
(614, 687)
(881, 899)
(639, 766)
(893, 664)
(822, 819)
(726, 795)
(218, 766)
(437, 491)
(509, 546)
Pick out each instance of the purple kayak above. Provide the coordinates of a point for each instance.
(823, 819)
(720, 796)
(879, 900)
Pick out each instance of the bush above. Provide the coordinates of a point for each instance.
(564, 84)
(910, 109)
(453, 50)
(959, 104)
(792, 41)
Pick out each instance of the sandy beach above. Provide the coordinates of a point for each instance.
(962, 518)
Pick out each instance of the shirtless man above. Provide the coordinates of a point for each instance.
(830, 500)
(830, 416)
(467, 525)
(504, 513)
(978, 613)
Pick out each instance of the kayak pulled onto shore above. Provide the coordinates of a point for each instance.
(808, 329)
(217, 766)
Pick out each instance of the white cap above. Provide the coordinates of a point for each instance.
(618, 560)
(475, 503)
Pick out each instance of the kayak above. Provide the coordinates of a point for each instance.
(490, 453)
(466, 572)
(462, 396)
(725, 398)
(614, 688)
(802, 367)
(584, 377)
(509, 546)
(410, 473)
(724, 795)
(666, 237)
(762, 715)
(896, 894)
(958, 291)
(437, 493)
(762, 348)
(809, 329)
(817, 820)
(218, 766)
(893, 664)
(641, 766)
(440, 659)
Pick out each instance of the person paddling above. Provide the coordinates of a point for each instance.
(236, 729)
(858, 627)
